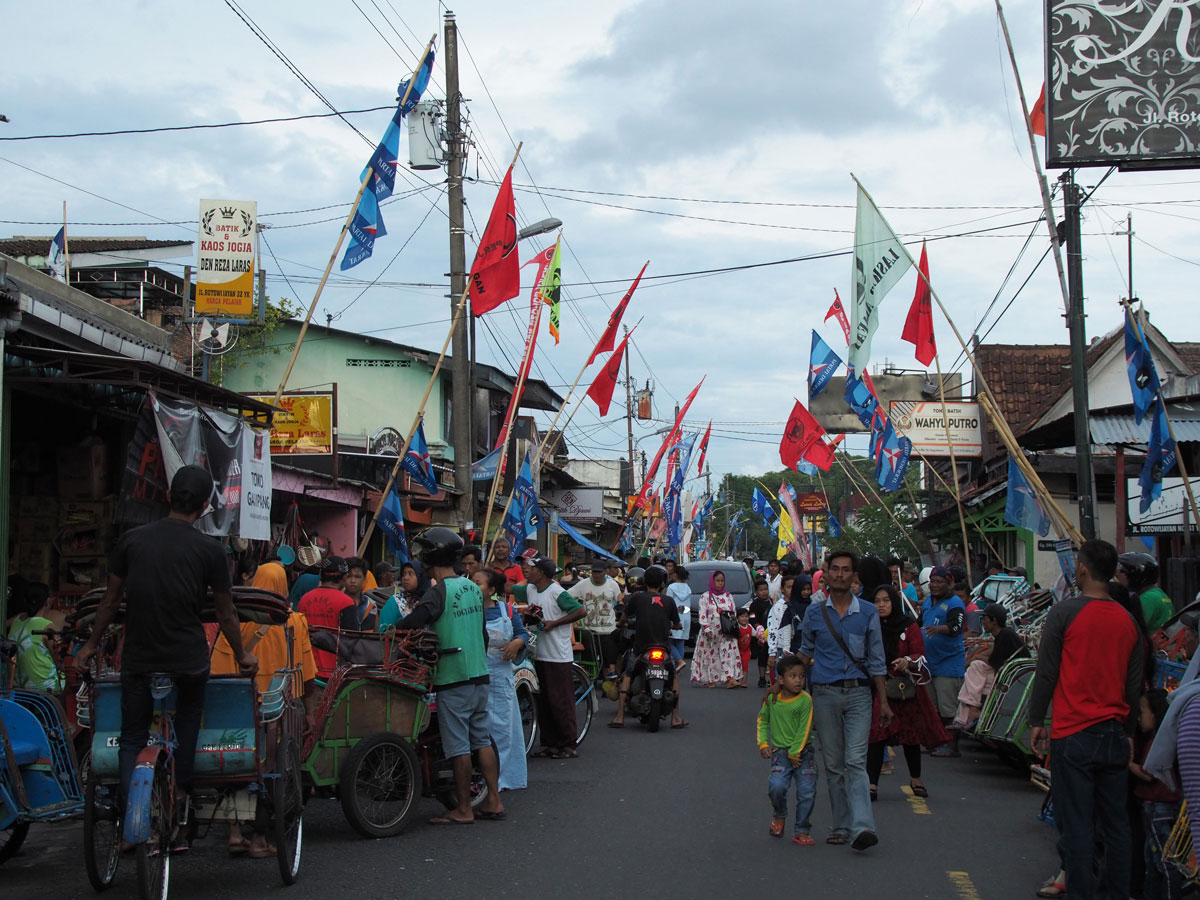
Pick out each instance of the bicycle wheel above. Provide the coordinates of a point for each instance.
(101, 833)
(380, 785)
(154, 856)
(11, 840)
(585, 690)
(287, 800)
(528, 706)
(447, 796)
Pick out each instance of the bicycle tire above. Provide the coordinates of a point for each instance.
(528, 707)
(13, 838)
(287, 801)
(584, 707)
(101, 834)
(154, 855)
(380, 785)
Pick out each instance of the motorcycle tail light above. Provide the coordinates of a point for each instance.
(657, 655)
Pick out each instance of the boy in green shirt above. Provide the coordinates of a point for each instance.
(784, 732)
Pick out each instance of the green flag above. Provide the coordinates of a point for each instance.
(551, 287)
(880, 260)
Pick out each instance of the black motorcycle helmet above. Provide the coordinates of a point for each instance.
(1140, 568)
(438, 546)
(655, 577)
(634, 577)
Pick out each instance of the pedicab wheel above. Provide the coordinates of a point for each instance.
(584, 690)
(154, 856)
(380, 785)
(528, 707)
(11, 840)
(101, 833)
(287, 798)
(479, 788)
(654, 716)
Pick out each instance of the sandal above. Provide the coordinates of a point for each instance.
(1052, 888)
(838, 838)
(684, 724)
(777, 828)
(548, 753)
(568, 753)
(265, 852)
(945, 753)
(874, 794)
(918, 790)
(804, 840)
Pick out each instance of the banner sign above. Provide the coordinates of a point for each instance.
(225, 266)
(1124, 85)
(576, 504)
(1169, 514)
(305, 427)
(924, 423)
(811, 502)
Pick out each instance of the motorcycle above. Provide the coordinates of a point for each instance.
(652, 695)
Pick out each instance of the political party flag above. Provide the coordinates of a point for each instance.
(365, 226)
(860, 399)
(524, 516)
(804, 438)
(672, 506)
(804, 467)
(485, 469)
(626, 542)
(543, 260)
(1143, 376)
(704, 447)
(550, 288)
(918, 327)
(56, 256)
(1037, 115)
(420, 80)
(834, 526)
(606, 379)
(1022, 507)
(608, 339)
(822, 364)
(760, 504)
(837, 311)
(672, 437)
(1160, 458)
(416, 461)
(386, 157)
(786, 535)
(496, 271)
(894, 453)
(787, 498)
(879, 261)
(391, 522)
(878, 428)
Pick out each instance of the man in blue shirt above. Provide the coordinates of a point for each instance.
(843, 647)
(942, 618)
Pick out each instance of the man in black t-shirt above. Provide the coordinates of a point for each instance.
(985, 663)
(652, 614)
(164, 571)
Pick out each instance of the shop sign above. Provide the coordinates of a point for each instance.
(924, 423)
(811, 502)
(576, 503)
(1169, 514)
(225, 263)
(305, 427)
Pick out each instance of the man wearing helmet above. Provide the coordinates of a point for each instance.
(453, 608)
(1139, 573)
(652, 613)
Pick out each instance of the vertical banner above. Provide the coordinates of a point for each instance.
(225, 265)
(254, 521)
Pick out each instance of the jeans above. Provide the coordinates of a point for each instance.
(805, 777)
(677, 648)
(1163, 880)
(842, 717)
(137, 712)
(1090, 778)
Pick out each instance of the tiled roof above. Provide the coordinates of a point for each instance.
(1190, 354)
(1025, 379)
(38, 246)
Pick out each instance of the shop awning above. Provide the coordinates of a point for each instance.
(1120, 428)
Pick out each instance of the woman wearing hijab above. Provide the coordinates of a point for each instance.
(716, 656)
(271, 576)
(410, 589)
(783, 629)
(914, 722)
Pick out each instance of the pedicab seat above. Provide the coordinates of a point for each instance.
(25, 734)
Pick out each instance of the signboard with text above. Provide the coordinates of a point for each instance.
(1169, 514)
(810, 502)
(305, 427)
(225, 265)
(576, 503)
(924, 423)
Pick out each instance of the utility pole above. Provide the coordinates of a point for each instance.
(460, 354)
(1085, 482)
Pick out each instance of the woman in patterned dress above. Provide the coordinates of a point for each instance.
(716, 656)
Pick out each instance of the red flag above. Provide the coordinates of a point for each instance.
(1037, 116)
(704, 446)
(803, 438)
(496, 271)
(918, 327)
(535, 317)
(606, 379)
(671, 438)
(609, 339)
(866, 379)
(836, 310)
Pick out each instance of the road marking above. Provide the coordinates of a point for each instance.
(963, 884)
(918, 804)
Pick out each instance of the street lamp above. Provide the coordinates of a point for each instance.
(537, 228)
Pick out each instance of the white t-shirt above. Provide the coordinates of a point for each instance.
(553, 645)
(600, 601)
(682, 595)
(774, 586)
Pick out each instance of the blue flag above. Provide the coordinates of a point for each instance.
(485, 469)
(673, 505)
(386, 157)
(416, 461)
(524, 515)
(626, 543)
(1160, 458)
(418, 88)
(894, 452)
(1023, 509)
(860, 398)
(835, 527)
(822, 364)
(878, 430)
(391, 522)
(1143, 377)
(365, 226)
(760, 504)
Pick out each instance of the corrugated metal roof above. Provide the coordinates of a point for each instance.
(1121, 429)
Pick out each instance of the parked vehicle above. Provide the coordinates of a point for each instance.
(739, 581)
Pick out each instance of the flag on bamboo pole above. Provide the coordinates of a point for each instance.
(894, 454)
(417, 463)
(391, 522)
(918, 327)
(524, 516)
(496, 271)
(879, 261)
(787, 499)
(56, 256)
(1160, 458)
(608, 339)
(606, 379)
(804, 438)
(837, 311)
(878, 428)
(387, 152)
(860, 399)
(786, 535)
(833, 526)
(531, 334)
(672, 436)
(673, 504)
(822, 364)
(550, 288)
(704, 447)
(1143, 376)
(1037, 115)
(1022, 508)
(365, 225)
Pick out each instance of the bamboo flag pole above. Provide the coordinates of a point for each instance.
(66, 251)
(998, 420)
(821, 481)
(854, 478)
(962, 522)
(312, 307)
(1043, 185)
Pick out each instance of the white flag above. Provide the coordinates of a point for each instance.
(880, 260)
(56, 256)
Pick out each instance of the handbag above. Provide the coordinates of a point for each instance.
(729, 623)
(900, 687)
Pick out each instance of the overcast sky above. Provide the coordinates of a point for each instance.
(767, 107)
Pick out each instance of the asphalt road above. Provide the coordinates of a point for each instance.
(677, 814)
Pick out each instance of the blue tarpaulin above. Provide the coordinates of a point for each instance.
(565, 528)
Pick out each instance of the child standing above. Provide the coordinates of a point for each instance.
(784, 729)
(745, 642)
(1160, 804)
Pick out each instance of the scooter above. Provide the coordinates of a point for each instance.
(652, 696)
